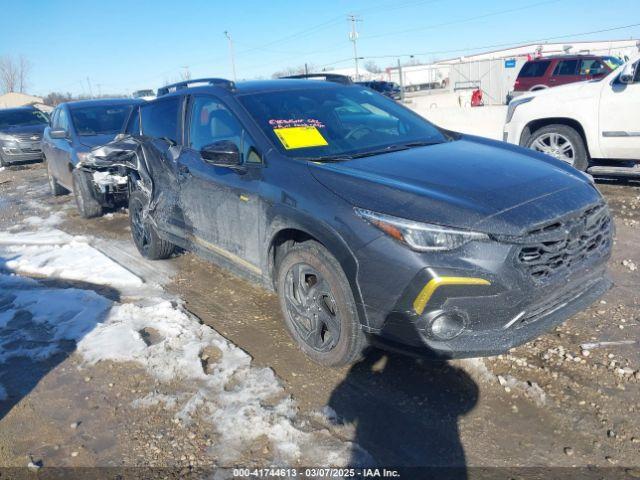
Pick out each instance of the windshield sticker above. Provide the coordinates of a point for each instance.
(296, 122)
(300, 137)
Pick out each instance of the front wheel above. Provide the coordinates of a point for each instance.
(561, 142)
(318, 305)
(84, 192)
(147, 241)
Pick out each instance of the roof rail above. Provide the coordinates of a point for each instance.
(214, 82)
(329, 77)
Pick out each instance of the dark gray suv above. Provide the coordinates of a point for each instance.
(372, 224)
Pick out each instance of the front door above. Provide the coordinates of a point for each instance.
(59, 155)
(222, 205)
(619, 119)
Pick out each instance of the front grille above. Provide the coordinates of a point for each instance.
(562, 246)
(28, 137)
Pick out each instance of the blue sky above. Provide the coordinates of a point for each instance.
(120, 46)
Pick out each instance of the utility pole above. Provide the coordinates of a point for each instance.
(233, 60)
(353, 36)
(401, 81)
(99, 90)
(90, 91)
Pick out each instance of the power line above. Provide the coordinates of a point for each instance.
(464, 20)
(509, 44)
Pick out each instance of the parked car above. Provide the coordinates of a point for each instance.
(389, 89)
(77, 127)
(21, 134)
(546, 72)
(147, 94)
(371, 224)
(583, 123)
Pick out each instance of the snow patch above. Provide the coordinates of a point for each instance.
(56, 254)
(531, 390)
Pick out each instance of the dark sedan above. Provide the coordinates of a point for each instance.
(76, 128)
(21, 134)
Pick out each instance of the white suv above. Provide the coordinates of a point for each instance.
(580, 122)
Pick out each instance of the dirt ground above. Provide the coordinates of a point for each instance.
(548, 403)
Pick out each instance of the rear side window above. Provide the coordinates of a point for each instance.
(534, 69)
(160, 119)
(566, 67)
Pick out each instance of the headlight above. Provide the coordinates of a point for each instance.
(7, 138)
(513, 104)
(422, 237)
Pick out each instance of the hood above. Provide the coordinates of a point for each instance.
(470, 183)
(95, 140)
(24, 129)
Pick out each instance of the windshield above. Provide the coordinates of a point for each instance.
(612, 62)
(103, 119)
(338, 121)
(14, 118)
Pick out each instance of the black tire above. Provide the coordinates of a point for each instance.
(84, 192)
(144, 235)
(579, 157)
(54, 186)
(327, 295)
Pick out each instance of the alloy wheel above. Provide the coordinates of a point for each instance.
(555, 145)
(311, 307)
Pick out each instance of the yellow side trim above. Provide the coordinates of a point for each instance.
(420, 303)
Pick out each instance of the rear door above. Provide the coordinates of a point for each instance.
(566, 71)
(223, 206)
(620, 119)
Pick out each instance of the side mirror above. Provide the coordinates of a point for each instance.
(58, 133)
(221, 154)
(628, 73)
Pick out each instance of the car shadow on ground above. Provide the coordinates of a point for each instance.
(420, 429)
(41, 322)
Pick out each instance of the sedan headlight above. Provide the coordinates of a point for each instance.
(422, 237)
(513, 104)
(7, 138)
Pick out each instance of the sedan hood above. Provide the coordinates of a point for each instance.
(471, 183)
(24, 129)
(95, 140)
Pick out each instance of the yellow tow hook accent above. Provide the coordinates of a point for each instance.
(420, 303)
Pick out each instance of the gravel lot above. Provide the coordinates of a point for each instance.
(553, 402)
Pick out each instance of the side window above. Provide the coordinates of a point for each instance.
(636, 77)
(54, 118)
(160, 119)
(591, 67)
(566, 67)
(210, 121)
(63, 119)
(534, 69)
(133, 124)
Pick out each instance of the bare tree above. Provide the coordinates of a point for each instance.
(24, 68)
(372, 67)
(8, 74)
(14, 73)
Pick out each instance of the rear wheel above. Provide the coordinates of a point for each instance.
(147, 241)
(54, 186)
(84, 192)
(561, 142)
(318, 305)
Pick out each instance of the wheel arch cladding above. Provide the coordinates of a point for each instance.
(537, 124)
(284, 229)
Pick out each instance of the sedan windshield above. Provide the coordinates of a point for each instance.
(14, 118)
(103, 119)
(337, 122)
